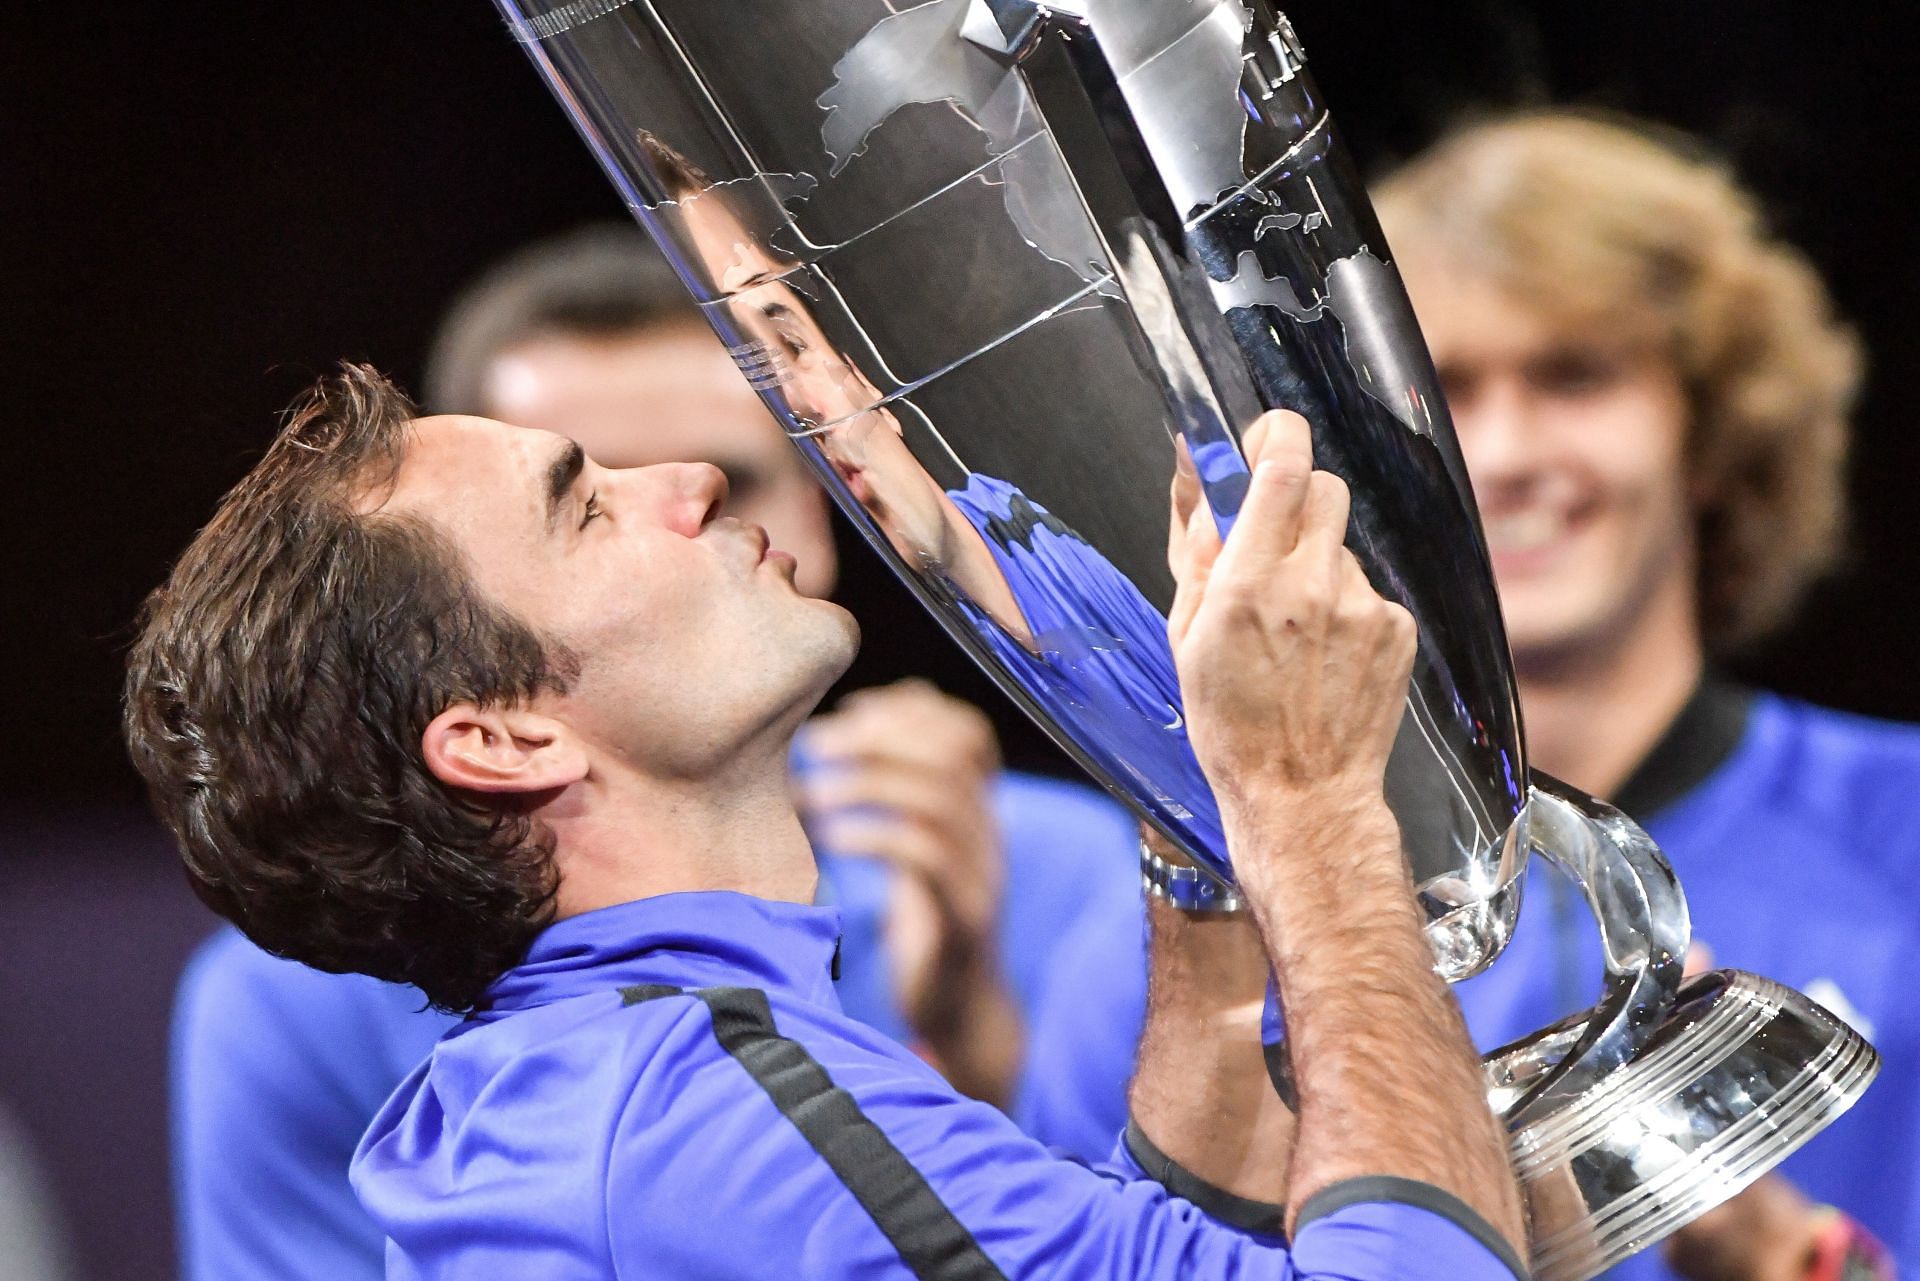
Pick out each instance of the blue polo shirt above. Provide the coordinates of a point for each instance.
(278, 1069)
(1793, 831)
(668, 1088)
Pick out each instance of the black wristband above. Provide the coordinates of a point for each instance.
(1262, 1217)
(1379, 1188)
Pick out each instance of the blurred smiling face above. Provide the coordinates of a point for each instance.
(1576, 449)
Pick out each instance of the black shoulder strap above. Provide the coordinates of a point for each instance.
(933, 1244)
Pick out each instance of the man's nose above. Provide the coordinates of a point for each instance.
(1499, 435)
(686, 495)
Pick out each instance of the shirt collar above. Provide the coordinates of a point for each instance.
(1697, 743)
(710, 938)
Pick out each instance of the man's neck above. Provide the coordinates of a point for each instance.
(1592, 716)
(619, 837)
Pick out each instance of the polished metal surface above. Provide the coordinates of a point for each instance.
(994, 264)
(1739, 1071)
(1644, 932)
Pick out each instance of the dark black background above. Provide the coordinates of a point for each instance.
(205, 205)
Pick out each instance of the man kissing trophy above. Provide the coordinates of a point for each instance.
(1002, 268)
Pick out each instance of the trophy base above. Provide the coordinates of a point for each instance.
(1738, 1075)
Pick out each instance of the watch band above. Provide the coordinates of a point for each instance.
(1186, 887)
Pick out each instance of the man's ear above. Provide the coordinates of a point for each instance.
(502, 750)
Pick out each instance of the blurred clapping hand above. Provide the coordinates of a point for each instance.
(904, 774)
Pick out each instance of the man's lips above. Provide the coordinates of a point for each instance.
(1525, 540)
(765, 553)
(756, 547)
(753, 541)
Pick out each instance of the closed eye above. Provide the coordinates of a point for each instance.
(593, 510)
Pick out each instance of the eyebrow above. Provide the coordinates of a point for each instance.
(561, 473)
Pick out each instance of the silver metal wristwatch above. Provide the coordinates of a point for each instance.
(1186, 887)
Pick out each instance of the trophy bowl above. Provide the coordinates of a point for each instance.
(992, 264)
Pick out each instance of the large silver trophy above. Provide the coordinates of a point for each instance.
(993, 263)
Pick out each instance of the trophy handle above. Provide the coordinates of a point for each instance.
(1631, 1119)
(1644, 933)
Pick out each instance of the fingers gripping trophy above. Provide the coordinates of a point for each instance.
(1006, 270)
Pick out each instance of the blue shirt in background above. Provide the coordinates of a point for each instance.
(667, 1088)
(1798, 846)
(278, 1069)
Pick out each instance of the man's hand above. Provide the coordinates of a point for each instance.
(1294, 673)
(905, 774)
(1294, 670)
(1767, 1233)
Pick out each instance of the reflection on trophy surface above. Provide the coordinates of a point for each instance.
(995, 265)
(1076, 634)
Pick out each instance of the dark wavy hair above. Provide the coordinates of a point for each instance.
(276, 698)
